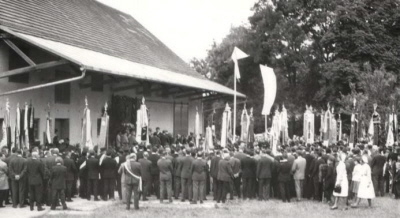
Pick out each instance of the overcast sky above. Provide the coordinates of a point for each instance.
(188, 27)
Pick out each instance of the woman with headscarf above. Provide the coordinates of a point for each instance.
(341, 181)
(365, 189)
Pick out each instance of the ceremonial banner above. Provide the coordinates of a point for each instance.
(224, 126)
(284, 125)
(17, 143)
(144, 123)
(250, 136)
(26, 126)
(208, 143)
(333, 130)
(269, 80)
(103, 137)
(276, 130)
(87, 129)
(48, 131)
(197, 128)
(244, 122)
(308, 126)
(376, 120)
(339, 129)
(6, 136)
(390, 137)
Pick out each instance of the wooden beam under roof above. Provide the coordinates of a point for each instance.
(127, 87)
(33, 68)
(19, 52)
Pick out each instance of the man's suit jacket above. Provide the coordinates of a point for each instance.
(299, 168)
(154, 168)
(154, 140)
(177, 166)
(109, 168)
(225, 172)
(136, 169)
(17, 166)
(249, 167)
(284, 170)
(240, 155)
(93, 168)
(236, 165)
(71, 169)
(165, 167)
(35, 171)
(83, 172)
(199, 169)
(309, 162)
(264, 168)
(214, 166)
(315, 168)
(145, 169)
(58, 175)
(186, 167)
(377, 163)
(164, 139)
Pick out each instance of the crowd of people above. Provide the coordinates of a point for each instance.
(175, 169)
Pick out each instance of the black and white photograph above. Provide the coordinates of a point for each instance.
(199, 108)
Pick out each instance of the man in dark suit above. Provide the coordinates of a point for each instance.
(315, 176)
(145, 165)
(165, 166)
(284, 177)
(214, 173)
(186, 177)
(308, 183)
(133, 180)
(93, 174)
(264, 174)
(71, 171)
(249, 167)
(236, 167)
(83, 175)
(58, 176)
(109, 174)
(164, 138)
(177, 174)
(199, 168)
(377, 163)
(18, 169)
(225, 175)
(155, 172)
(35, 171)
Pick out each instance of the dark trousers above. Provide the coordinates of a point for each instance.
(58, 194)
(108, 188)
(264, 187)
(3, 196)
(82, 187)
(187, 190)
(198, 190)
(308, 187)
(236, 186)
(328, 190)
(119, 187)
(224, 188)
(166, 186)
(18, 192)
(317, 189)
(129, 189)
(178, 187)
(145, 189)
(68, 190)
(215, 188)
(92, 188)
(285, 191)
(45, 198)
(247, 188)
(155, 185)
(35, 194)
(378, 182)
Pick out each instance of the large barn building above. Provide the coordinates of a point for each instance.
(53, 54)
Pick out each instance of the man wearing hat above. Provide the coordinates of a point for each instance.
(58, 176)
(199, 168)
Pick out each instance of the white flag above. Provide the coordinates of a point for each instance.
(269, 80)
(236, 55)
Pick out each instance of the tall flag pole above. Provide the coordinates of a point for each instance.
(269, 80)
(236, 55)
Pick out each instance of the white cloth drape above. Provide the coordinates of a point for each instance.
(390, 137)
(209, 139)
(269, 80)
(308, 126)
(225, 126)
(245, 122)
(87, 130)
(197, 128)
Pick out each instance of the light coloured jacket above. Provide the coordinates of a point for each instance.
(299, 168)
(3, 176)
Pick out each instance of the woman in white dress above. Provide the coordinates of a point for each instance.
(365, 189)
(341, 180)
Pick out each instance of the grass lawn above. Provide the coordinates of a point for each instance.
(382, 208)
